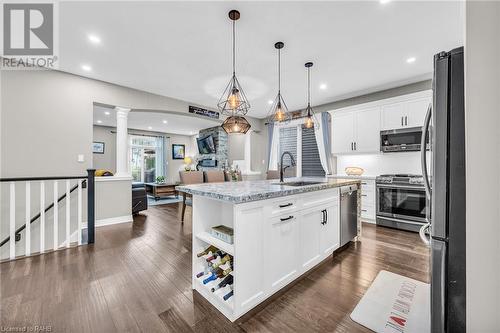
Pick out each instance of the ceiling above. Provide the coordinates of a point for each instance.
(183, 49)
(155, 121)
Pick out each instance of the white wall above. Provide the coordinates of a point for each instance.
(482, 95)
(378, 164)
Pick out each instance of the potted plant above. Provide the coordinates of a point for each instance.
(160, 180)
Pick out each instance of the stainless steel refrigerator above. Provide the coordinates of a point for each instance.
(445, 188)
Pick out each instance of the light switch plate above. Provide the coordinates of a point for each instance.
(81, 158)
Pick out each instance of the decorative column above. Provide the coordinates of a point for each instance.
(121, 142)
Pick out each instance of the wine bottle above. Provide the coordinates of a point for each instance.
(225, 259)
(228, 295)
(210, 278)
(209, 249)
(215, 255)
(228, 280)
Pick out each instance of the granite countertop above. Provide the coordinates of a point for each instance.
(246, 191)
(345, 176)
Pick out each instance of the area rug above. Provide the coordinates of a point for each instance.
(163, 201)
(395, 303)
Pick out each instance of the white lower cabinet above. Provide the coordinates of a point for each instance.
(281, 250)
(330, 230)
(275, 242)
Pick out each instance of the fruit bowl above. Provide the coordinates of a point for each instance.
(354, 171)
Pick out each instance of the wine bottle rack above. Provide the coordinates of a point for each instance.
(208, 238)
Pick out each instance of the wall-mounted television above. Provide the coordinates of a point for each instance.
(206, 145)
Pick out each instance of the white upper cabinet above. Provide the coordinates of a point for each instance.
(343, 133)
(409, 113)
(356, 129)
(367, 131)
(356, 132)
(416, 110)
(393, 116)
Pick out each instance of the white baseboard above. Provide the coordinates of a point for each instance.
(111, 220)
(368, 221)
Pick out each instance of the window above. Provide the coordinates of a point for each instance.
(301, 143)
(144, 154)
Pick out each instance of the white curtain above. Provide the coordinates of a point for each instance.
(322, 137)
(274, 147)
(161, 165)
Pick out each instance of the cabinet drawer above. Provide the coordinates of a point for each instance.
(282, 206)
(368, 211)
(320, 198)
(367, 200)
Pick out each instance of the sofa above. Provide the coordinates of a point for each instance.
(139, 198)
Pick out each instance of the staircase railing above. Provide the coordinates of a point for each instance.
(83, 181)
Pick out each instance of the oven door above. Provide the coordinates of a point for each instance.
(401, 202)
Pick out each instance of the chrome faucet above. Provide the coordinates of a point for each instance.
(282, 169)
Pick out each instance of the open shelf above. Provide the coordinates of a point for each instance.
(208, 238)
(227, 307)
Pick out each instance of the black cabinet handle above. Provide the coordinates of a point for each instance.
(326, 215)
(323, 217)
(286, 218)
(286, 205)
(364, 195)
(355, 146)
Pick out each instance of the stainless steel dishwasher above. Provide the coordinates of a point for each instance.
(348, 213)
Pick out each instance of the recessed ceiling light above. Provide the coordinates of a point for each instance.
(270, 102)
(99, 121)
(94, 39)
(86, 68)
(323, 86)
(383, 2)
(165, 121)
(411, 60)
(106, 113)
(150, 128)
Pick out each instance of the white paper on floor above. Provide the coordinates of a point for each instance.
(395, 304)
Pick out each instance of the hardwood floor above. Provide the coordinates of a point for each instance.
(137, 277)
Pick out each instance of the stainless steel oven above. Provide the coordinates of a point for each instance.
(404, 139)
(401, 202)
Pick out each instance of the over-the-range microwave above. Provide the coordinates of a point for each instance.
(398, 140)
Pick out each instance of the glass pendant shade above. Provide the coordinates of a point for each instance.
(235, 124)
(310, 120)
(278, 113)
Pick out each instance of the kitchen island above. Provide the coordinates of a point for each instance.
(280, 231)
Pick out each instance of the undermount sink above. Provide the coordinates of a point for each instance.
(300, 183)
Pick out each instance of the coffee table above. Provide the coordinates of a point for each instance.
(161, 190)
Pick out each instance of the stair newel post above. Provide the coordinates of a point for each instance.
(91, 206)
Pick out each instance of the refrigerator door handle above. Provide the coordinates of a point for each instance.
(423, 237)
(423, 151)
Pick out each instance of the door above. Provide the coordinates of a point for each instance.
(393, 116)
(330, 230)
(309, 230)
(343, 133)
(415, 112)
(367, 123)
(281, 244)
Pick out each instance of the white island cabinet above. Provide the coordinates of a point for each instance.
(280, 232)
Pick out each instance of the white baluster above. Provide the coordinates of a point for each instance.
(27, 234)
(12, 227)
(68, 212)
(79, 212)
(42, 216)
(56, 216)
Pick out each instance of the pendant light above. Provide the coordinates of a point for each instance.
(233, 102)
(279, 111)
(310, 117)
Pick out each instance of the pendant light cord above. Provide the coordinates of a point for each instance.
(309, 86)
(234, 52)
(279, 71)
